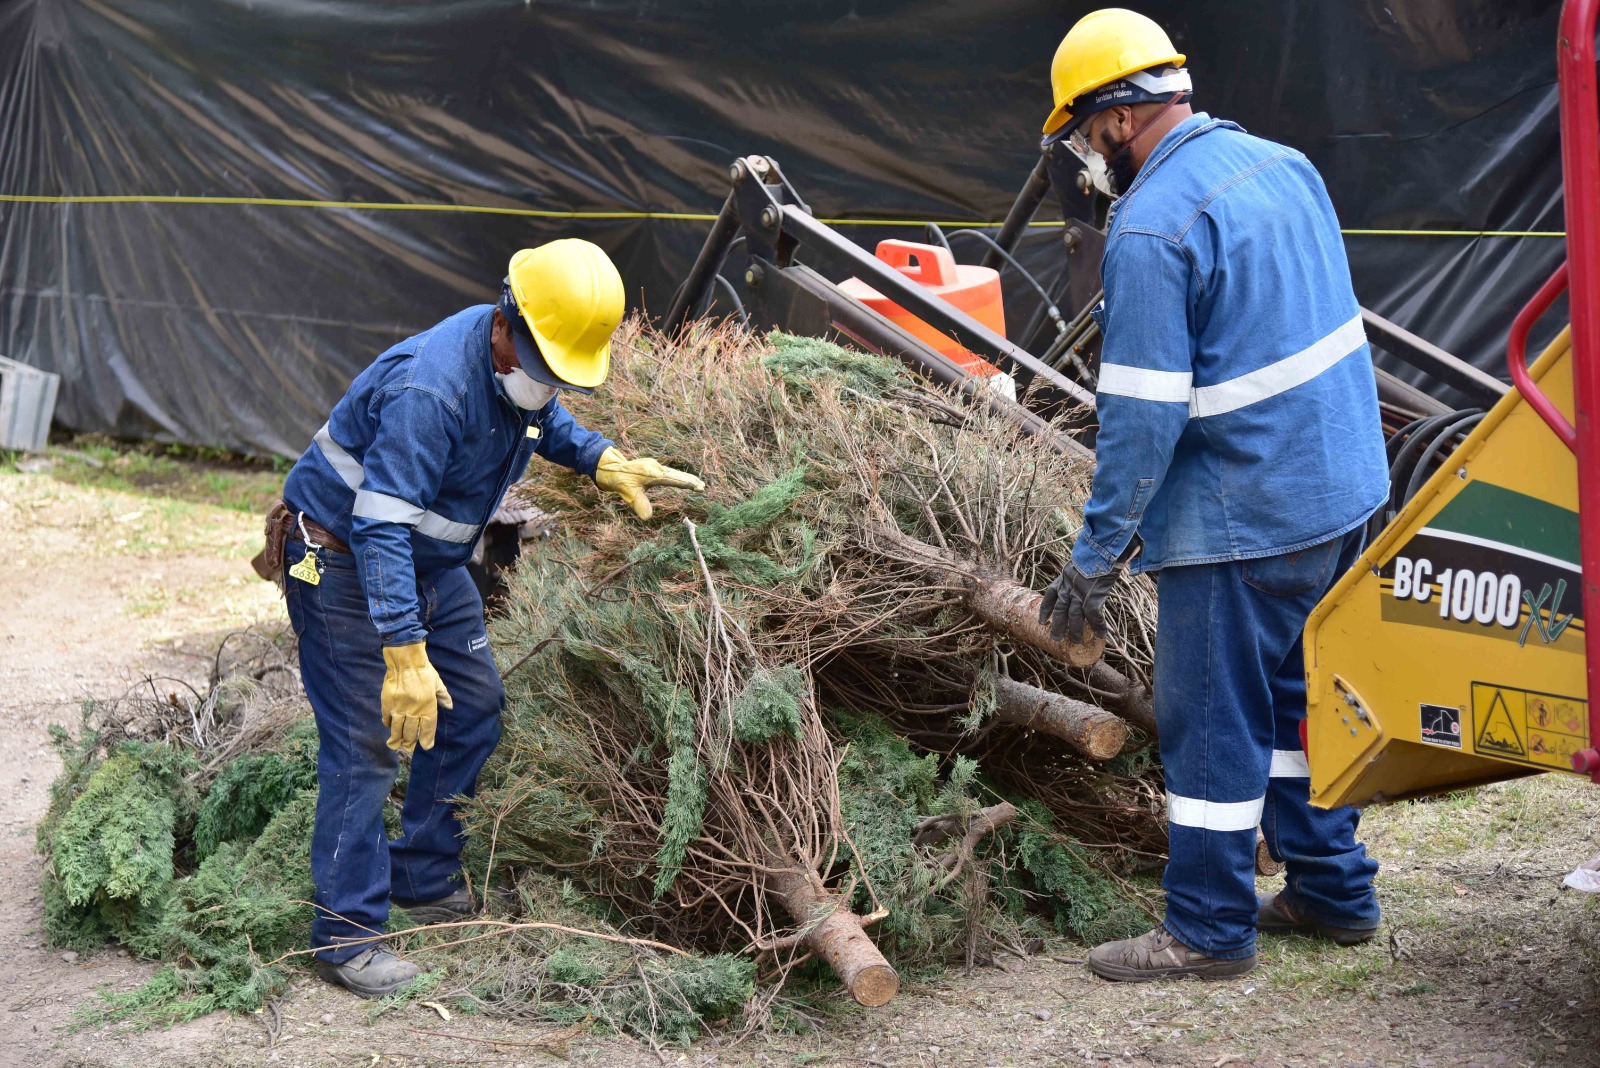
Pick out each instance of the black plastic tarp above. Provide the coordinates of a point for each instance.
(219, 317)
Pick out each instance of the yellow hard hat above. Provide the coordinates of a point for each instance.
(571, 298)
(1104, 46)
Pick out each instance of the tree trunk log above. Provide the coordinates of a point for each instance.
(835, 934)
(1013, 609)
(1091, 732)
(1133, 701)
(1002, 603)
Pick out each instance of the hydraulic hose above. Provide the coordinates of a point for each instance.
(1050, 305)
(1401, 450)
(1399, 471)
(733, 295)
(1419, 473)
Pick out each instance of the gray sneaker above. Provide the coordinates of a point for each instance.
(375, 973)
(1280, 914)
(456, 906)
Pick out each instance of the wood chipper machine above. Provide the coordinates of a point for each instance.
(1456, 652)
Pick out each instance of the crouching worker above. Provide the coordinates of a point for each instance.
(379, 518)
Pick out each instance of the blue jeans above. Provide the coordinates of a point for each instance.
(354, 866)
(1230, 694)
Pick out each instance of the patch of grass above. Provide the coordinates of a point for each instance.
(1415, 902)
(1322, 966)
(1522, 813)
(151, 601)
(420, 987)
(207, 476)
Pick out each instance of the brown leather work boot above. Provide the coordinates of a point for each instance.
(373, 973)
(1280, 914)
(1158, 955)
(457, 905)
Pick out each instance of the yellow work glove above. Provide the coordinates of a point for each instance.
(628, 479)
(412, 694)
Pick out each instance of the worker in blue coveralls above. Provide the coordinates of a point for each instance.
(1239, 455)
(379, 518)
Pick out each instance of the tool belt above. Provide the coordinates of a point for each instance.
(283, 523)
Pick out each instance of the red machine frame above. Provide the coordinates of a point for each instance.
(1580, 166)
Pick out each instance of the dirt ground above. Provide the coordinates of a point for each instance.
(1485, 960)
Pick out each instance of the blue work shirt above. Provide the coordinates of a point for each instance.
(415, 458)
(1238, 409)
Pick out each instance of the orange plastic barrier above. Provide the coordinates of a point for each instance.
(975, 290)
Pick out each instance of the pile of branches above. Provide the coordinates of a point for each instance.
(180, 828)
(799, 733)
(682, 694)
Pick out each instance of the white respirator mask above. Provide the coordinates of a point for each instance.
(1095, 164)
(525, 392)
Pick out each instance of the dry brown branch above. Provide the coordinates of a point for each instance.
(973, 828)
(500, 927)
(936, 830)
(555, 1042)
(1129, 698)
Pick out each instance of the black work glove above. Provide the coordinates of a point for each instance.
(1073, 600)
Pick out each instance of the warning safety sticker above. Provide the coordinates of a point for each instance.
(1441, 725)
(1527, 726)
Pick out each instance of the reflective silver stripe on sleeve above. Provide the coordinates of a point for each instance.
(1214, 815)
(1279, 377)
(1140, 383)
(387, 509)
(343, 464)
(435, 525)
(1289, 764)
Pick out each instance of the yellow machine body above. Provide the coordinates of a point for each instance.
(1452, 654)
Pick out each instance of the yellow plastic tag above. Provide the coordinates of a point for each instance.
(306, 570)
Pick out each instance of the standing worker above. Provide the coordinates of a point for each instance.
(1239, 453)
(378, 520)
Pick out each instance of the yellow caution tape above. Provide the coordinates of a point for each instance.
(674, 216)
(471, 209)
(358, 205)
(1455, 233)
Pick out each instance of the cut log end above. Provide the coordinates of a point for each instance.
(855, 958)
(1265, 865)
(875, 985)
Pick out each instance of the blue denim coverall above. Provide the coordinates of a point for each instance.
(412, 463)
(1239, 438)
